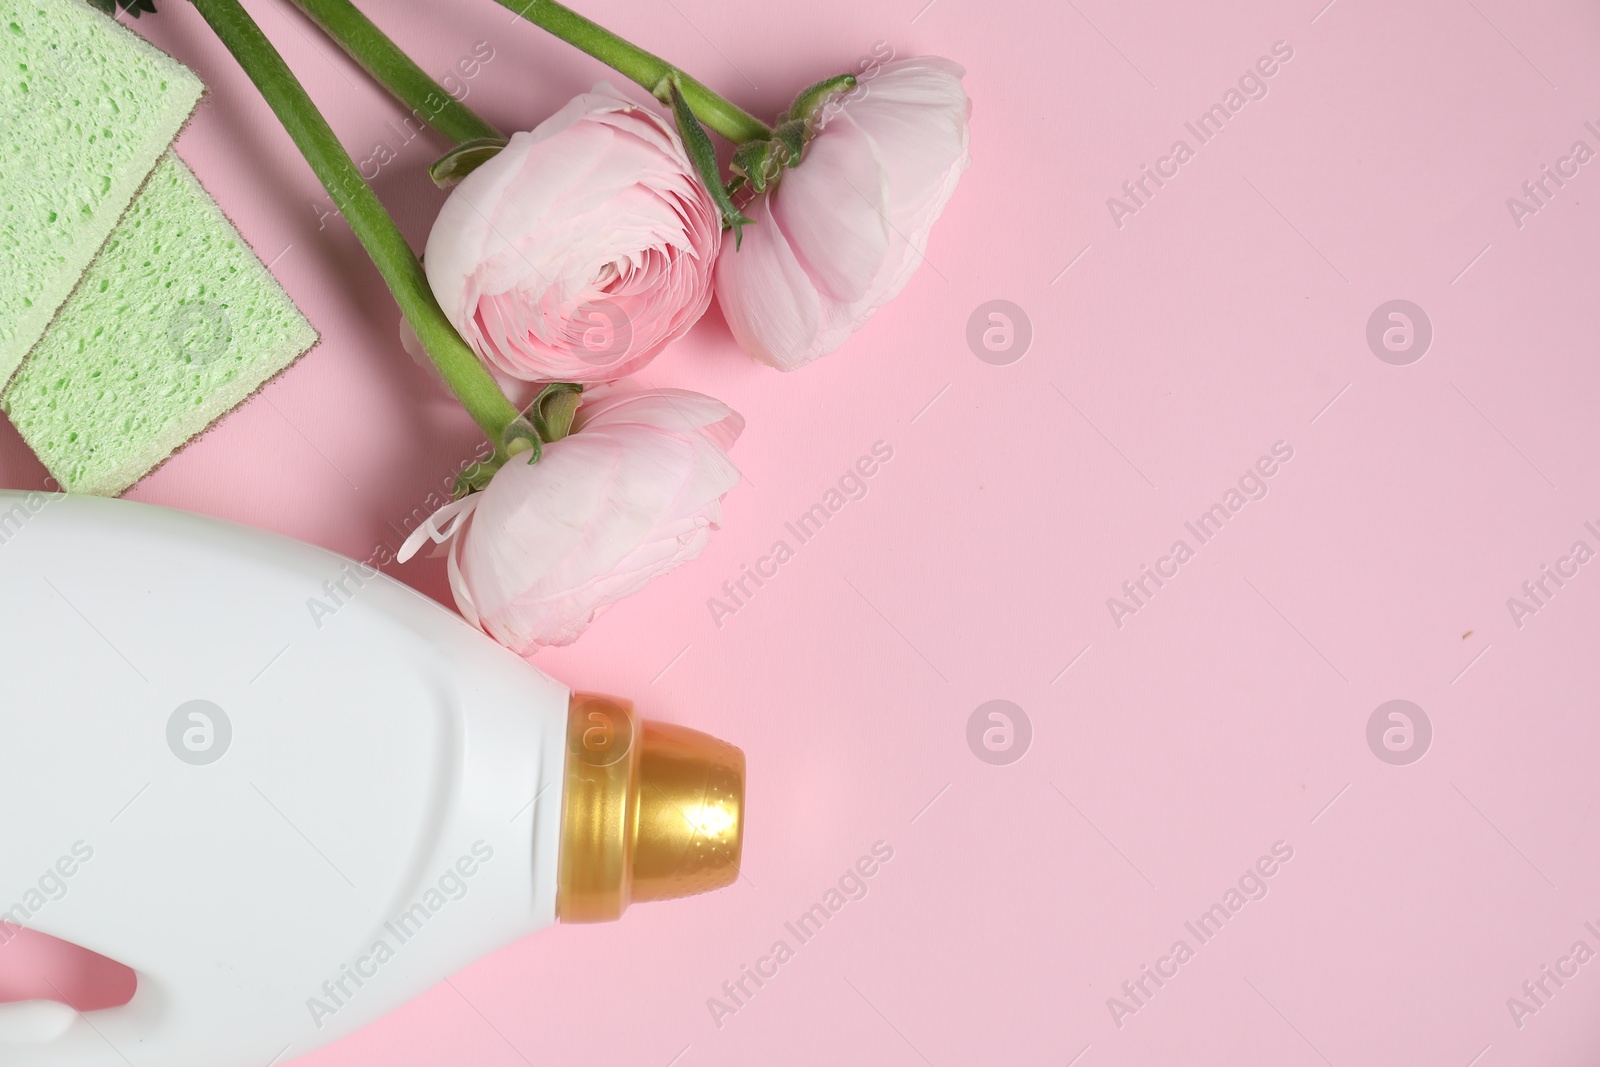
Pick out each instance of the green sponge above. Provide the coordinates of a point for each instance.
(174, 325)
(86, 109)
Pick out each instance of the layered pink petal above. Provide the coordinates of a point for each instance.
(633, 492)
(853, 218)
(771, 304)
(916, 114)
(834, 210)
(582, 249)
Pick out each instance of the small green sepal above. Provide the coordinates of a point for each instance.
(704, 157)
(813, 97)
(553, 409)
(522, 437)
(475, 479)
(753, 166)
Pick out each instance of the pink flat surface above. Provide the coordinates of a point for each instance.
(1168, 753)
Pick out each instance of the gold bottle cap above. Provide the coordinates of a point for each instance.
(651, 811)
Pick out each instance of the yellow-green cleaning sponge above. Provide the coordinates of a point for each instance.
(86, 109)
(174, 325)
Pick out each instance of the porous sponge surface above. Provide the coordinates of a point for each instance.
(86, 109)
(174, 325)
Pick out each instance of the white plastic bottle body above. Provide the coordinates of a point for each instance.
(291, 792)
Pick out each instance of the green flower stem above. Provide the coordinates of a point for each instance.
(393, 69)
(652, 72)
(468, 379)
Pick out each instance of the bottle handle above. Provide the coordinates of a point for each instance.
(48, 1033)
(32, 1022)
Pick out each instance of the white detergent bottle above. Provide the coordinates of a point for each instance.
(292, 794)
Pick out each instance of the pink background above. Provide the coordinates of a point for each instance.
(1228, 714)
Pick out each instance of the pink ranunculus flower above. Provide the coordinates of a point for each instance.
(634, 491)
(842, 233)
(580, 250)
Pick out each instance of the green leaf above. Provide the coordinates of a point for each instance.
(704, 157)
(812, 98)
(553, 409)
(461, 160)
